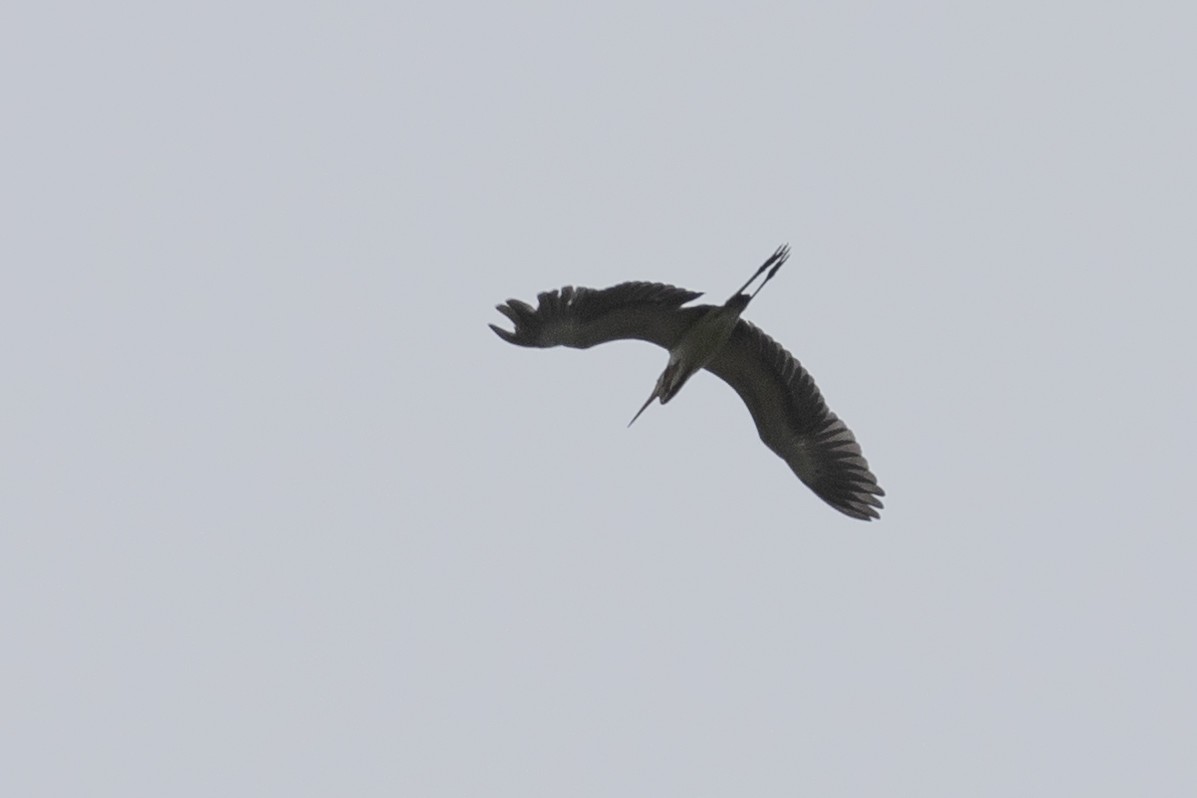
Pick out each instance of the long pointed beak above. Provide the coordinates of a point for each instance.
(643, 407)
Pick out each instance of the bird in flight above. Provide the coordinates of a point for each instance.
(790, 414)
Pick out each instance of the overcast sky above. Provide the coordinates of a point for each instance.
(281, 516)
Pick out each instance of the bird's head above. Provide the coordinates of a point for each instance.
(668, 384)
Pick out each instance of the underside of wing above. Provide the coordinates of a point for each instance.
(583, 317)
(795, 422)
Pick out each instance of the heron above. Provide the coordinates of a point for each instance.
(790, 414)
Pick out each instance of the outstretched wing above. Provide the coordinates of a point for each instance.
(794, 421)
(583, 317)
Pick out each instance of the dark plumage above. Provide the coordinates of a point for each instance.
(790, 414)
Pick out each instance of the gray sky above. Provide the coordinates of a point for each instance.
(281, 516)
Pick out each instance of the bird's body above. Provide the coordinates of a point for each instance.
(788, 409)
